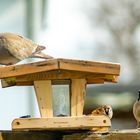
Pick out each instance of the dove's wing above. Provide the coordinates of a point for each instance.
(18, 46)
(6, 58)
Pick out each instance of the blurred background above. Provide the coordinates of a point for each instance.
(82, 29)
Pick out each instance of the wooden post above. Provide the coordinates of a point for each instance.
(78, 91)
(44, 97)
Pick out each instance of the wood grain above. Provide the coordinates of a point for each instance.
(44, 97)
(60, 64)
(23, 69)
(78, 92)
(61, 123)
(61, 75)
(127, 134)
(90, 66)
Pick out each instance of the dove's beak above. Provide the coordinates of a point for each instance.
(42, 55)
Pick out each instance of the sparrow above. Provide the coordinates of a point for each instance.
(104, 110)
(15, 48)
(136, 110)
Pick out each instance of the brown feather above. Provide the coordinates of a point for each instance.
(14, 48)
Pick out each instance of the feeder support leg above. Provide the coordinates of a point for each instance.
(78, 91)
(43, 91)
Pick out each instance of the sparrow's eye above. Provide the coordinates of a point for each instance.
(107, 111)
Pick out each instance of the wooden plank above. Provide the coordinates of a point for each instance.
(27, 80)
(9, 82)
(65, 74)
(89, 66)
(78, 91)
(64, 64)
(95, 81)
(28, 135)
(1, 137)
(44, 97)
(128, 134)
(6, 83)
(23, 69)
(81, 92)
(61, 123)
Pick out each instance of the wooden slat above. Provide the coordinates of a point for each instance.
(5, 84)
(16, 82)
(23, 69)
(1, 136)
(8, 82)
(78, 91)
(90, 66)
(127, 134)
(59, 123)
(62, 75)
(65, 74)
(44, 97)
(95, 81)
(60, 64)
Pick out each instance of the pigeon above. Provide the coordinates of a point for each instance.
(104, 110)
(136, 110)
(15, 48)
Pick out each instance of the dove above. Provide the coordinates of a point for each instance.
(136, 110)
(15, 48)
(104, 110)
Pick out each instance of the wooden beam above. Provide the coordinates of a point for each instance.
(9, 82)
(24, 69)
(89, 66)
(61, 123)
(44, 97)
(60, 64)
(127, 134)
(66, 74)
(61, 75)
(77, 91)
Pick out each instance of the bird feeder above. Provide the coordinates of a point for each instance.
(76, 74)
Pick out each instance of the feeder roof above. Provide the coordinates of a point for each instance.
(59, 69)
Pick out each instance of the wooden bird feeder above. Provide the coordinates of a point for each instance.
(77, 74)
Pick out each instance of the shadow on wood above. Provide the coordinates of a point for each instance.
(70, 135)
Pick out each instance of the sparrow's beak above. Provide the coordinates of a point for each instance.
(107, 111)
(139, 96)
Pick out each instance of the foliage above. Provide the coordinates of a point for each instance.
(120, 20)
